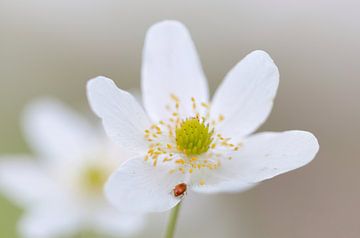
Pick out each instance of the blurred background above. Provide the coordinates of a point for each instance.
(50, 47)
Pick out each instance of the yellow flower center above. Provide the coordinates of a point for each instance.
(189, 144)
(94, 177)
(193, 137)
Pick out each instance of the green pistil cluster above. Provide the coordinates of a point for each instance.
(193, 137)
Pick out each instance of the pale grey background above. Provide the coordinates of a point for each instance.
(50, 47)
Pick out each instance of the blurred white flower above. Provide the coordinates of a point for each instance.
(62, 191)
(184, 143)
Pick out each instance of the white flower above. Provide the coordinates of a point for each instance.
(184, 143)
(62, 190)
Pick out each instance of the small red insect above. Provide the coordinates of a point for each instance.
(179, 189)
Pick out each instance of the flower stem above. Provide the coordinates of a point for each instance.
(170, 230)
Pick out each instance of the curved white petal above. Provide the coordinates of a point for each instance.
(55, 131)
(246, 95)
(171, 66)
(24, 182)
(217, 182)
(136, 94)
(262, 157)
(49, 221)
(137, 186)
(111, 222)
(123, 118)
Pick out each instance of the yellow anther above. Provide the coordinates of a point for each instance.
(193, 159)
(221, 118)
(202, 182)
(174, 97)
(204, 105)
(180, 161)
(193, 103)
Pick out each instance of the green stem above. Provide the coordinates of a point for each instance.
(170, 230)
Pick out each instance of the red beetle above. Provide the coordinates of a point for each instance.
(179, 189)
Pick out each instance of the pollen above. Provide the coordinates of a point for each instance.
(193, 136)
(188, 144)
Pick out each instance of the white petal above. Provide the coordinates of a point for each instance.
(136, 94)
(55, 131)
(25, 183)
(262, 157)
(111, 222)
(48, 221)
(139, 187)
(123, 118)
(171, 66)
(217, 182)
(245, 97)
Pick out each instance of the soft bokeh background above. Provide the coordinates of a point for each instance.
(50, 47)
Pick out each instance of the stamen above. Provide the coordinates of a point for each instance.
(221, 118)
(188, 144)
